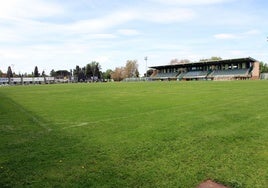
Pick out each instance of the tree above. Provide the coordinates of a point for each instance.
(71, 72)
(263, 67)
(182, 61)
(1, 73)
(53, 73)
(131, 69)
(76, 71)
(43, 73)
(9, 72)
(92, 71)
(95, 70)
(118, 74)
(79, 73)
(62, 74)
(107, 74)
(89, 71)
(213, 58)
(36, 73)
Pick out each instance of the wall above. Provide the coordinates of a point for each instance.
(256, 71)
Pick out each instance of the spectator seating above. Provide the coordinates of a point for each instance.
(195, 74)
(167, 75)
(230, 73)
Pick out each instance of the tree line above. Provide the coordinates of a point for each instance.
(11, 74)
(90, 72)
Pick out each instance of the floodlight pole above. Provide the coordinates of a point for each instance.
(146, 58)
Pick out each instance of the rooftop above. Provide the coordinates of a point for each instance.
(209, 62)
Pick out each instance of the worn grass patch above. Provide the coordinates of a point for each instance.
(171, 134)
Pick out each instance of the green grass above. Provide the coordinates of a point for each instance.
(159, 134)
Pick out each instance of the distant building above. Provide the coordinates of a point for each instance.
(27, 80)
(4, 75)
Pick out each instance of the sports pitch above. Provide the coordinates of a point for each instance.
(153, 134)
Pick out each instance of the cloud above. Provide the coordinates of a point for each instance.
(121, 17)
(102, 23)
(8, 35)
(225, 36)
(44, 56)
(252, 32)
(99, 36)
(169, 15)
(29, 30)
(28, 9)
(128, 32)
(190, 2)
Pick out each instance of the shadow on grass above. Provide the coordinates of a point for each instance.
(32, 153)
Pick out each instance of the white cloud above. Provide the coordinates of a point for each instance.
(169, 15)
(225, 36)
(252, 32)
(28, 30)
(8, 35)
(99, 36)
(100, 24)
(238, 35)
(238, 53)
(24, 29)
(121, 17)
(28, 9)
(190, 2)
(128, 32)
(103, 59)
(12, 54)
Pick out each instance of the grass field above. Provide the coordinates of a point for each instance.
(156, 134)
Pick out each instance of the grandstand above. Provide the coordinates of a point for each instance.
(228, 69)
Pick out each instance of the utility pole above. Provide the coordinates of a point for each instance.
(146, 58)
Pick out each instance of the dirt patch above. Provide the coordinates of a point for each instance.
(210, 184)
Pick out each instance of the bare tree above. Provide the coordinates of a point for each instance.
(131, 69)
(182, 61)
(118, 74)
(213, 58)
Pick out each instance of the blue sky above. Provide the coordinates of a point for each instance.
(60, 34)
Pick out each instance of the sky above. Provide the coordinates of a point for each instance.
(60, 34)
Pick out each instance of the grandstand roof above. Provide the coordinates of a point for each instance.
(209, 62)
